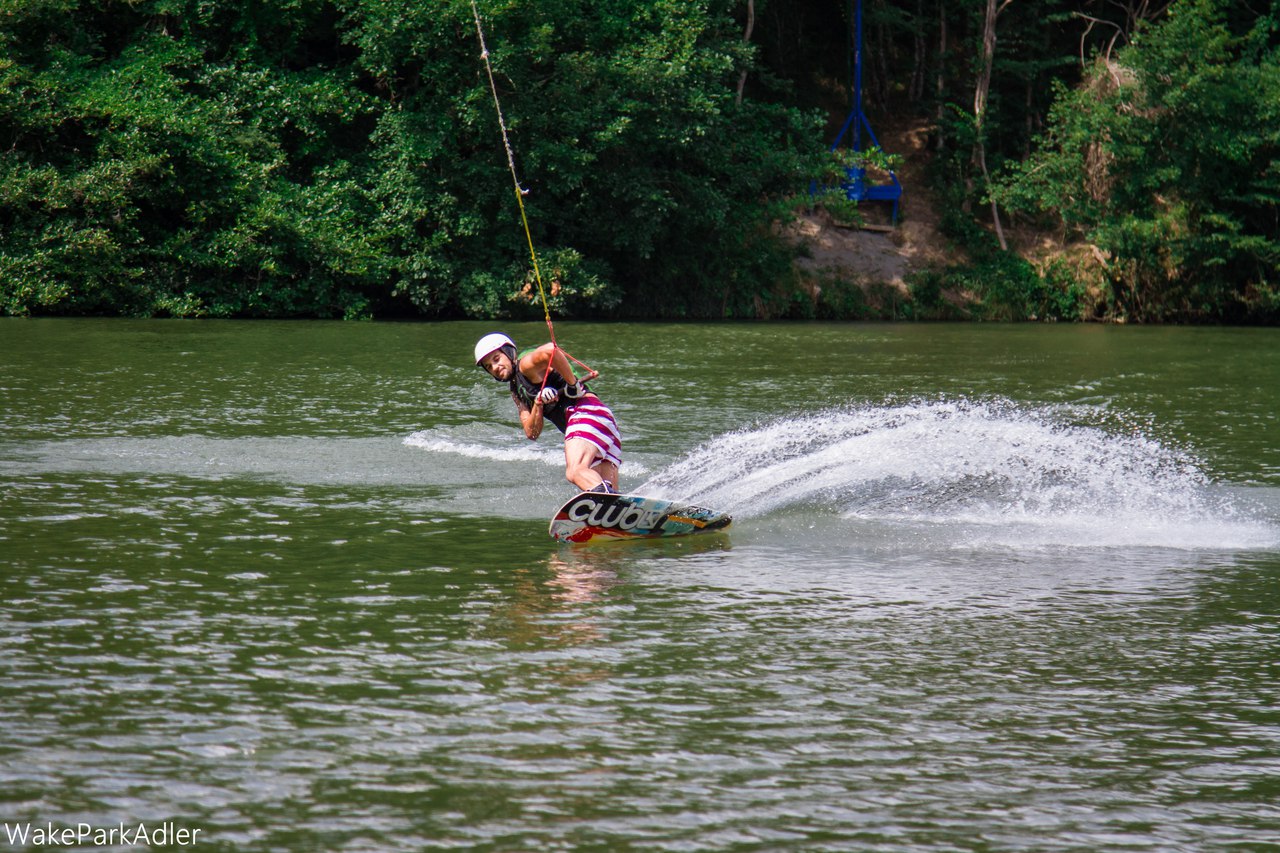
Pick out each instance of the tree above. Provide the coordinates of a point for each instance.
(180, 158)
(1168, 160)
(342, 157)
(980, 96)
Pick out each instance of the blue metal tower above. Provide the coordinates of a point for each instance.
(855, 186)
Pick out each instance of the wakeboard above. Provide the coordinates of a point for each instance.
(593, 516)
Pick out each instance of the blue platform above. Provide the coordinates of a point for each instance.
(856, 187)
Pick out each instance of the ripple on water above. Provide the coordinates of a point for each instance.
(292, 664)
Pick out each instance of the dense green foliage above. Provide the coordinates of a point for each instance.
(157, 163)
(305, 158)
(343, 157)
(1168, 160)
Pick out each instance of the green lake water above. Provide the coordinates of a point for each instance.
(988, 588)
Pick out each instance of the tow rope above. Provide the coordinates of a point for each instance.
(521, 192)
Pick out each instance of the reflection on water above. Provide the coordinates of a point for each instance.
(1026, 622)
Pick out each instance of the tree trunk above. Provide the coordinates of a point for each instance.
(1031, 117)
(980, 93)
(881, 83)
(918, 58)
(751, 24)
(940, 84)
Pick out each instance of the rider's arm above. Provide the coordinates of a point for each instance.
(530, 419)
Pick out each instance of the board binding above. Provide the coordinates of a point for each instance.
(592, 516)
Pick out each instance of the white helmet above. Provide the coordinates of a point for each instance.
(491, 342)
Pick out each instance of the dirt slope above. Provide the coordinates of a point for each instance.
(886, 255)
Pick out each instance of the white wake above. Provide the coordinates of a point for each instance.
(998, 472)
